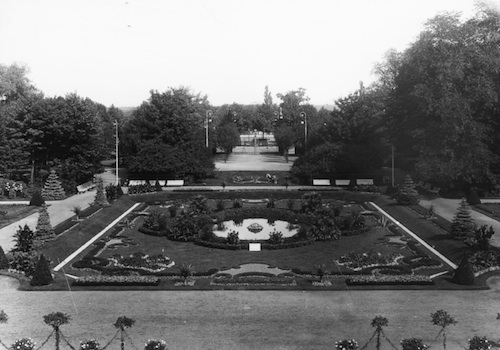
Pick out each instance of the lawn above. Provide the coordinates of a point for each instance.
(12, 213)
(377, 238)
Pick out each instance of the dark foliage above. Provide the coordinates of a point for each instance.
(42, 275)
(464, 274)
(37, 199)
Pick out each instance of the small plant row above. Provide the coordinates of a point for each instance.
(57, 320)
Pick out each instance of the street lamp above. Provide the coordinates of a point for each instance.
(303, 115)
(117, 141)
(207, 120)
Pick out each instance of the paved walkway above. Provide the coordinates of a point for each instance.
(448, 207)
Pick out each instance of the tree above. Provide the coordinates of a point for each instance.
(100, 197)
(166, 134)
(24, 239)
(77, 210)
(407, 195)
(227, 138)
(285, 138)
(42, 275)
(443, 110)
(463, 225)
(443, 319)
(44, 231)
(52, 190)
(186, 271)
(483, 235)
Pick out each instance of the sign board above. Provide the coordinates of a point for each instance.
(254, 247)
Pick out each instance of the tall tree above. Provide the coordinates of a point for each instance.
(169, 127)
(444, 110)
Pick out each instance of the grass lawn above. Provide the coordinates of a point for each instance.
(489, 209)
(204, 258)
(12, 213)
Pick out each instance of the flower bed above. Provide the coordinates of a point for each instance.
(155, 263)
(253, 280)
(484, 261)
(389, 280)
(100, 280)
(359, 261)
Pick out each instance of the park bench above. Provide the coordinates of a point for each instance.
(172, 183)
(364, 182)
(85, 187)
(136, 182)
(342, 182)
(321, 182)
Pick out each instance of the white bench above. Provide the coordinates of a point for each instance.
(364, 182)
(342, 182)
(321, 182)
(85, 187)
(136, 182)
(162, 183)
(175, 183)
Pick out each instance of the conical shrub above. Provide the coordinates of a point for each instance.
(472, 197)
(53, 190)
(100, 197)
(44, 231)
(4, 262)
(464, 274)
(42, 275)
(407, 195)
(463, 225)
(37, 199)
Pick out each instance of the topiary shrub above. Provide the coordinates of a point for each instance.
(464, 275)
(53, 190)
(100, 198)
(472, 197)
(407, 194)
(463, 225)
(44, 231)
(37, 199)
(42, 275)
(4, 262)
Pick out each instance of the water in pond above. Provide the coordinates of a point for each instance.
(256, 229)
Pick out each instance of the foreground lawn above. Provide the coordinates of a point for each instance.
(12, 213)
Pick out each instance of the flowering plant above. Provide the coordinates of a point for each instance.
(479, 343)
(371, 279)
(91, 344)
(116, 280)
(153, 344)
(23, 344)
(413, 344)
(346, 344)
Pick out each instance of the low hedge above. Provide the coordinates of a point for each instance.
(249, 280)
(87, 212)
(389, 280)
(101, 280)
(64, 226)
(151, 232)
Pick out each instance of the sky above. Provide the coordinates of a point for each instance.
(115, 52)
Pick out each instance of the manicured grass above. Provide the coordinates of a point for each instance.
(489, 209)
(67, 243)
(13, 213)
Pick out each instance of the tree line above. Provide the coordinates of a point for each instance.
(435, 104)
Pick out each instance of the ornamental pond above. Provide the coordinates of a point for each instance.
(256, 229)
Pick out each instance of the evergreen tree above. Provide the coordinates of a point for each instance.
(23, 239)
(463, 225)
(37, 199)
(42, 275)
(4, 262)
(100, 196)
(407, 195)
(44, 231)
(53, 190)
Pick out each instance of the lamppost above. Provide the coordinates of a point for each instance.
(117, 141)
(207, 120)
(303, 115)
(255, 141)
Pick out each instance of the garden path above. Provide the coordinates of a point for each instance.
(448, 207)
(255, 268)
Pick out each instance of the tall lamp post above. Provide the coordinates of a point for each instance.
(303, 115)
(117, 141)
(207, 120)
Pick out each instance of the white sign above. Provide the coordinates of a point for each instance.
(254, 247)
